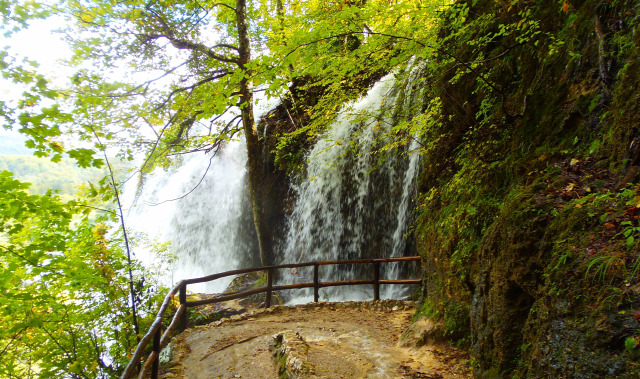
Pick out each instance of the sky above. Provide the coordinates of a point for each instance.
(39, 43)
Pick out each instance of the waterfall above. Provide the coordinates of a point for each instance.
(351, 205)
(353, 201)
(201, 206)
(210, 228)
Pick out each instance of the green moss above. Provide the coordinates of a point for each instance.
(624, 115)
(452, 315)
(456, 321)
(625, 107)
(513, 244)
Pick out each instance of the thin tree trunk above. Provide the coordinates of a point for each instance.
(132, 290)
(280, 16)
(254, 150)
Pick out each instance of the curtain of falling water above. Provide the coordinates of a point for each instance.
(349, 206)
(210, 229)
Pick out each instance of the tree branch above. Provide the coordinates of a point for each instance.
(195, 46)
(191, 87)
(66, 353)
(15, 336)
(225, 45)
(218, 117)
(190, 191)
(99, 359)
(151, 126)
(224, 5)
(94, 208)
(181, 44)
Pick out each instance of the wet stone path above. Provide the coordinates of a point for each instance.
(331, 340)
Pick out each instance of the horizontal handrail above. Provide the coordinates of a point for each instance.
(179, 319)
(220, 299)
(209, 278)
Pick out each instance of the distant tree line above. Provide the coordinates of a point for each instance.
(44, 175)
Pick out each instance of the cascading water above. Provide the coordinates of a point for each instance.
(350, 205)
(202, 207)
(210, 229)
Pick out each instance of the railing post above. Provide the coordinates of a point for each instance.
(376, 280)
(183, 300)
(316, 283)
(267, 301)
(156, 348)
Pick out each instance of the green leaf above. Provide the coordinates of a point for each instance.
(630, 242)
(83, 156)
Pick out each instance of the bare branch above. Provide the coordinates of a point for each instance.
(101, 363)
(15, 336)
(181, 44)
(190, 191)
(95, 208)
(224, 5)
(191, 87)
(227, 46)
(195, 46)
(66, 353)
(34, 264)
(218, 117)
(293, 123)
(136, 327)
(151, 126)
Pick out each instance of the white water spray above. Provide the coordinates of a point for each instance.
(206, 227)
(350, 207)
(202, 208)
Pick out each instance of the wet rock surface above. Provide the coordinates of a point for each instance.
(324, 340)
(291, 353)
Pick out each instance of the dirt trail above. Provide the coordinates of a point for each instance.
(344, 340)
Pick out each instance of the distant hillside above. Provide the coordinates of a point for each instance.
(43, 174)
(13, 145)
(64, 176)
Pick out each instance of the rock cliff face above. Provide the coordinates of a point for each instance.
(528, 215)
(528, 203)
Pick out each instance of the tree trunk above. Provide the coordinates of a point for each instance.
(254, 150)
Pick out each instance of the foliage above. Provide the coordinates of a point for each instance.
(356, 42)
(34, 115)
(515, 99)
(519, 212)
(65, 284)
(63, 302)
(162, 79)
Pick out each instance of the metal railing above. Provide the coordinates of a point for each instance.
(160, 339)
